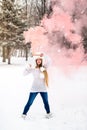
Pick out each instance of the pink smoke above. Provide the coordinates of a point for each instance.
(37, 37)
(60, 20)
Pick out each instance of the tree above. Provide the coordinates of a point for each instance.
(35, 10)
(84, 37)
(11, 27)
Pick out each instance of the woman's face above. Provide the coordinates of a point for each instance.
(39, 61)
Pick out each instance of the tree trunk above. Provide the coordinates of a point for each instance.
(26, 53)
(4, 53)
(9, 54)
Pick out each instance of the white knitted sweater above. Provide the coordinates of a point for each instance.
(38, 84)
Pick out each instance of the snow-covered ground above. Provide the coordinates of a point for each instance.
(67, 97)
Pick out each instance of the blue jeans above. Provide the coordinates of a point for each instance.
(32, 96)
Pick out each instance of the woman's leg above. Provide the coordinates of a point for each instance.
(44, 96)
(29, 103)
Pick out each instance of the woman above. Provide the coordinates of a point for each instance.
(39, 85)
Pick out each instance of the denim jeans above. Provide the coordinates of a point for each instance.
(32, 96)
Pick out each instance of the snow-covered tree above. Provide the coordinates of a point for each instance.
(12, 25)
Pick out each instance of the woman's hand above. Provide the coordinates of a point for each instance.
(41, 54)
(42, 69)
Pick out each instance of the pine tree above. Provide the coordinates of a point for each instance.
(12, 26)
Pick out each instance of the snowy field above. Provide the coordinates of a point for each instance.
(67, 98)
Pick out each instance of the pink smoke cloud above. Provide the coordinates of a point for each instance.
(37, 37)
(59, 20)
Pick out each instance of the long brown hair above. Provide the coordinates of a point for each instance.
(46, 77)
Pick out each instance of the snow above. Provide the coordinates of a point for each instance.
(67, 98)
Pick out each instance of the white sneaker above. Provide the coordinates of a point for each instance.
(49, 115)
(23, 116)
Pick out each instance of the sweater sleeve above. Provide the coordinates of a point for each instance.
(27, 70)
(47, 61)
